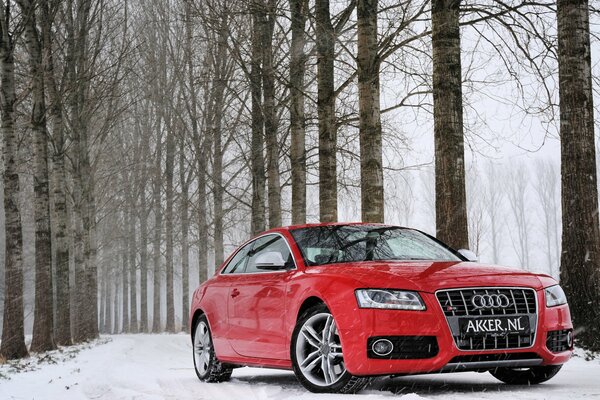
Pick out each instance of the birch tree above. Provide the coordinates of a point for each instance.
(43, 324)
(13, 334)
(59, 178)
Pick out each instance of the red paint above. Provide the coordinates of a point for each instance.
(252, 316)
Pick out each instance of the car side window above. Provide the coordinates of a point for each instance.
(265, 244)
(238, 262)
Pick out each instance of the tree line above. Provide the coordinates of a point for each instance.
(158, 134)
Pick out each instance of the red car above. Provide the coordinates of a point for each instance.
(339, 303)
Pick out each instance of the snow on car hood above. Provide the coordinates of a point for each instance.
(429, 276)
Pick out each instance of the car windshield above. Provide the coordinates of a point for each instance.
(351, 243)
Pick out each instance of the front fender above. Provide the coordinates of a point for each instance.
(337, 293)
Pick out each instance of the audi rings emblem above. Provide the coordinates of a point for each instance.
(490, 301)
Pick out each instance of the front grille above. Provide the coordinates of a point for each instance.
(457, 304)
(558, 341)
(406, 347)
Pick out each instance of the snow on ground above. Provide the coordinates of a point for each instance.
(160, 367)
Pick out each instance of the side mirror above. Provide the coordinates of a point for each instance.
(469, 255)
(270, 260)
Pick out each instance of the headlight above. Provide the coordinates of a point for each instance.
(555, 296)
(389, 299)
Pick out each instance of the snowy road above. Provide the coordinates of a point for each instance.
(159, 367)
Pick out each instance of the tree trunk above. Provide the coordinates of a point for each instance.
(371, 163)
(78, 307)
(13, 336)
(43, 323)
(202, 212)
(299, 10)
(450, 194)
(133, 323)
(89, 239)
(580, 259)
(62, 331)
(109, 298)
(115, 297)
(257, 146)
(103, 301)
(270, 119)
(325, 38)
(143, 216)
(219, 86)
(86, 277)
(125, 288)
(199, 144)
(170, 327)
(156, 275)
(185, 251)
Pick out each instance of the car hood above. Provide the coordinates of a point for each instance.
(429, 276)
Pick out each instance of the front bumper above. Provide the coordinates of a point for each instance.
(357, 327)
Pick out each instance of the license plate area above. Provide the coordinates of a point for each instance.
(494, 326)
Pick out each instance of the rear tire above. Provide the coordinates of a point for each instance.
(317, 357)
(527, 376)
(207, 367)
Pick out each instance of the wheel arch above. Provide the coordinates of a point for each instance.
(197, 314)
(309, 302)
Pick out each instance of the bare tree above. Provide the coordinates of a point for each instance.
(43, 324)
(325, 43)
(547, 188)
(185, 251)
(156, 242)
(13, 335)
(518, 184)
(494, 201)
(257, 146)
(270, 119)
(580, 258)
(59, 181)
(451, 203)
(299, 13)
(169, 233)
(371, 163)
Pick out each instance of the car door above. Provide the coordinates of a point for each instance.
(257, 303)
(217, 295)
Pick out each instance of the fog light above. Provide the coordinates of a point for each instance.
(382, 347)
(570, 340)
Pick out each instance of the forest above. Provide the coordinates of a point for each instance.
(143, 140)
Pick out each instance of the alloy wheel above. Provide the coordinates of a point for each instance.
(202, 348)
(319, 350)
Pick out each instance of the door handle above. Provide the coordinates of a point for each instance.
(235, 293)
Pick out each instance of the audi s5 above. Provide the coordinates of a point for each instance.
(340, 303)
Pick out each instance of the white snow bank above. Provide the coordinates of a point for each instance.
(160, 367)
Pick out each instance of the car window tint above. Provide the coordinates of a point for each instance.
(268, 243)
(351, 243)
(238, 262)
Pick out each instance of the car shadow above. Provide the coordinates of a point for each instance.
(432, 385)
(429, 385)
(281, 379)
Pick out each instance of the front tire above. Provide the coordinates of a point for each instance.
(207, 367)
(317, 357)
(526, 376)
